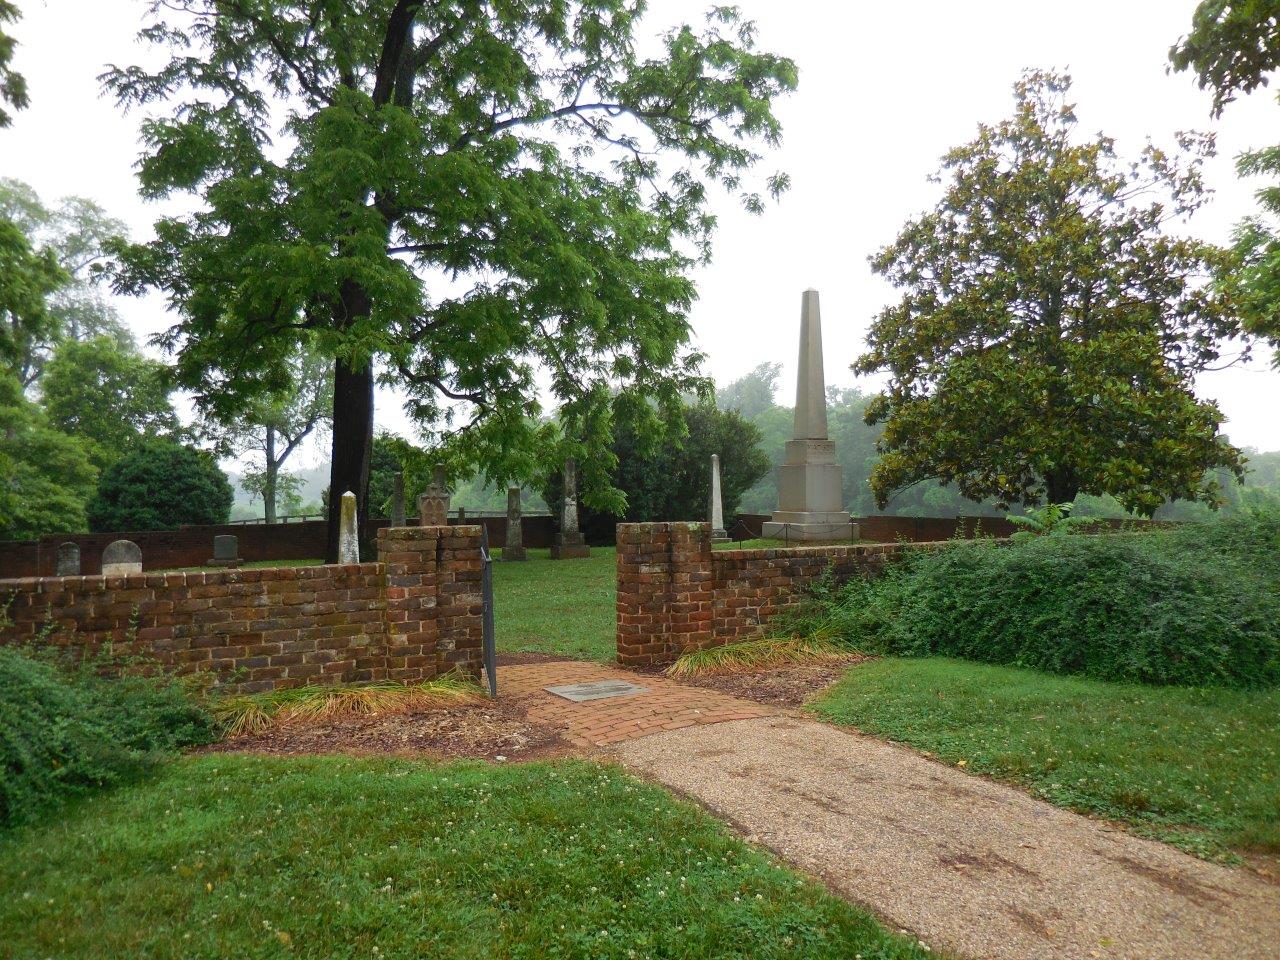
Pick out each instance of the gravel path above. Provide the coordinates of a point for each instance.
(965, 864)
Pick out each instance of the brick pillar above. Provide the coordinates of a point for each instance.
(461, 603)
(434, 607)
(411, 558)
(689, 608)
(664, 591)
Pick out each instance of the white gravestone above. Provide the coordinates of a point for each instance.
(715, 508)
(120, 558)
(348, 530)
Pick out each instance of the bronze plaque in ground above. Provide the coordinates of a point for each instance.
(596, 690)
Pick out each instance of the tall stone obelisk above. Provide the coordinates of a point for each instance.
(809, 487)
(715, 504)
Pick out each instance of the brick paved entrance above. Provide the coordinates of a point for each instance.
(596, 723)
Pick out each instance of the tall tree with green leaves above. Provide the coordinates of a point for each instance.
(451, 196)
(673, 480)
(77, 231)
(274, 425)
(1233, 48)
(46, 477)
(73, 234)
(1050, 326)
(13, 86)
(109, 395)
(28, 278)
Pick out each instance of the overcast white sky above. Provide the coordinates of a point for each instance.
(885, 90)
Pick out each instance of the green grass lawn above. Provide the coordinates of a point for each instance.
(1199, 768)
(236, 856)
(558, 606)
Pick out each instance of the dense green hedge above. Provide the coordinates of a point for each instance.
(1199, 605)
(67, 730)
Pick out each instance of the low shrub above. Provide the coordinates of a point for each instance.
(66, 730)
(1198, 605)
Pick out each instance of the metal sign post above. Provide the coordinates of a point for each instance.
(486, 592)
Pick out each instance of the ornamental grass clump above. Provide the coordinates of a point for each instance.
(255, 713)
(1198, 605)
(66, 730)
(756, 654)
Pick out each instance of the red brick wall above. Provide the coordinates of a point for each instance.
(883, 529)
(409, 617)
(676, 594)
(193, 546)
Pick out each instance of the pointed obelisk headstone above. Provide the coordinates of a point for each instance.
(68, 560)
(809, 480)
(569, 542)
(514, 547)
(433, 503)
(348, 530)
(715, 508)
(397, 499)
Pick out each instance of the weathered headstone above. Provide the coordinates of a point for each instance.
(433, 503)
(569, 543)
(348, 530)
(226, 551)
(514, 547)
(715, 508)
(121, 557)
(809, 487)
(462, 514)
(68, 560)
(397, 500)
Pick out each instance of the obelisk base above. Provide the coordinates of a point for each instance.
(810, 526)
(719, 536)
(570, 546)
(514, 553)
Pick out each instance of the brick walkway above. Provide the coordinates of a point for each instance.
(597, 723)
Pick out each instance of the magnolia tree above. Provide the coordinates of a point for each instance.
(1050, 323)
(457, 197)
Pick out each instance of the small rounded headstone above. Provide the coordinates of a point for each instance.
(121, 557)
(68, 562)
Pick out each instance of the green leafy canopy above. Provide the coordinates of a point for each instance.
(161, 485)
(13, 86)
(475, 199)
(1050, 326)
(1231, 48)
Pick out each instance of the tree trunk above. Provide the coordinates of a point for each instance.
(1061, 486)
(352, 444)
(269, 479)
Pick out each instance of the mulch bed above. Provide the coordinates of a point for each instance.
(781, 686)
(497, 731)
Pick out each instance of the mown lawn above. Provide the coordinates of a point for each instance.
(557, 606)
(1199, 768)
(236, 856)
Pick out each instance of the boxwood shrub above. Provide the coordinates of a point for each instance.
(1199, 605)
(66, 730)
